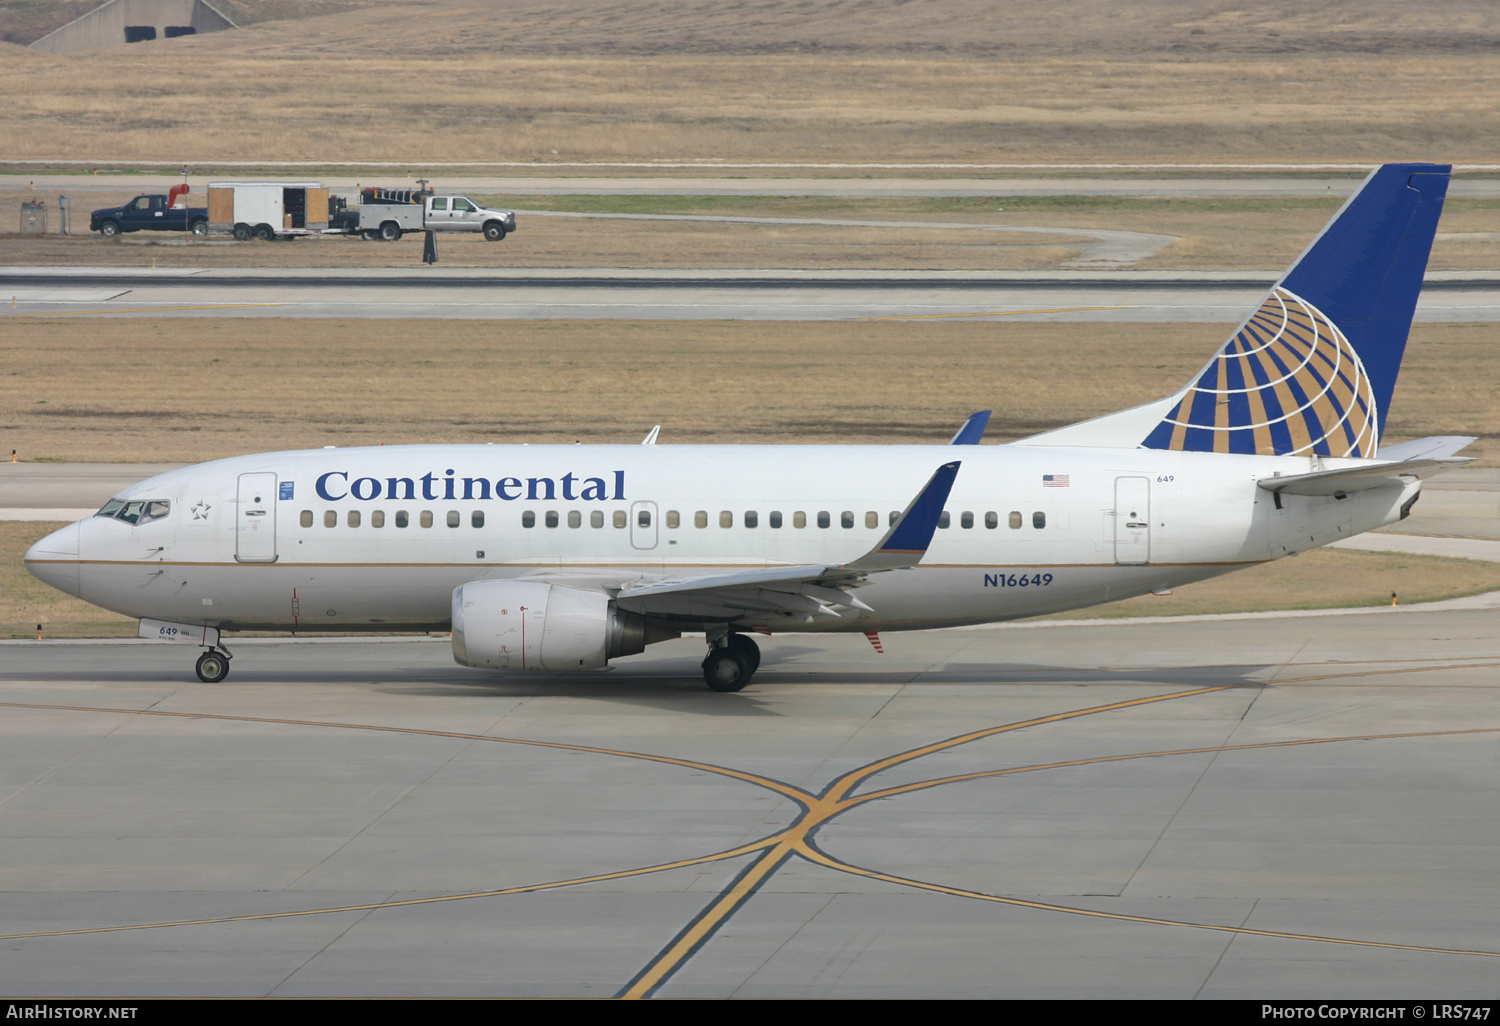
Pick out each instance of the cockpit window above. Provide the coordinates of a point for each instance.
(135, 512)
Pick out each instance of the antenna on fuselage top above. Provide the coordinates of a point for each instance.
(651, 438)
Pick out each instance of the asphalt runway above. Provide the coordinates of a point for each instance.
(1266, 807)
(1098, 296)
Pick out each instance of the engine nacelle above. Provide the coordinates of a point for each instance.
(520, 625)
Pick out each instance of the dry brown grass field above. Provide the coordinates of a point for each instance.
(98, 389)
(1231, 233)
(1314, 580)
(1026, 80)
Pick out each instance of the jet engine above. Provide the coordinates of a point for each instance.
(521, 625)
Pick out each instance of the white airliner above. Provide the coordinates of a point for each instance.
(563, 557)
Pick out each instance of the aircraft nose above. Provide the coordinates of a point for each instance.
(54, 559)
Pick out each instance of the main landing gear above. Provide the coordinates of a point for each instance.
(213, 665)
(732, 661)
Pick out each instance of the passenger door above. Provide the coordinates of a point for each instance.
(464, 215)
(255, 519)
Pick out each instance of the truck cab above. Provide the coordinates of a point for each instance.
(455, 213)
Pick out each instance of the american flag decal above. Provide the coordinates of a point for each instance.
(1054, 480)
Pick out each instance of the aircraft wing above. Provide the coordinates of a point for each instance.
(807, 591)
(1339, 483)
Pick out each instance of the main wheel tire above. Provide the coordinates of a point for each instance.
(494, 231)
(109, 229)
(265, 233)
(199, 228)
(726, 669)
(390, 231)
(241, 233)
(746, 646)
(212, 667)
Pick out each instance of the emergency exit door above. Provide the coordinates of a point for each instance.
(1132, 520)
(643, 526)
(255, 519)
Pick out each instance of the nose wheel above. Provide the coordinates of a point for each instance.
(731, 664)
(213, 666)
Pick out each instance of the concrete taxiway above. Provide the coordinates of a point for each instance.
(945, 181)
(1250, 807)
(609, 293)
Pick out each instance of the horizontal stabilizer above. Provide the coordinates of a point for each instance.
(1338, 483)
(1432, 448)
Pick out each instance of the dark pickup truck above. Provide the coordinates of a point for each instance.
(151, 214)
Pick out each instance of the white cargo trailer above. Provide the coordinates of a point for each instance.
(270, 210)
(266, 210)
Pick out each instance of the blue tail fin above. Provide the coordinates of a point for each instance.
(1313, 369)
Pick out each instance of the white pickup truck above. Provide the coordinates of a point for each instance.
(387, 214)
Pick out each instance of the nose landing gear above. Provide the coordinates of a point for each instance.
(732, 661)
(213, 665)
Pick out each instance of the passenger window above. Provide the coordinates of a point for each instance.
(377, 518)
(551, 518)
(872, 519)
(477, 518)
(846, 518)
(966, 520)
(643, 517)
(944, 520)
(596, 518)
(454, 519)
(823, 519)
(575, 518)
(992, 520)
(402, 519)
(799, 519)
(306, 518)
(1038, 520)
(752, 518)
(776, 518)
(353, 519)
(330, 518)
(1015, 519)
(673, 520)
(700, 518)
(619, 520)
(895, 516)
(528, 519)
(427, 518)
(440, 203)
(461, 204)
(726, 518)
